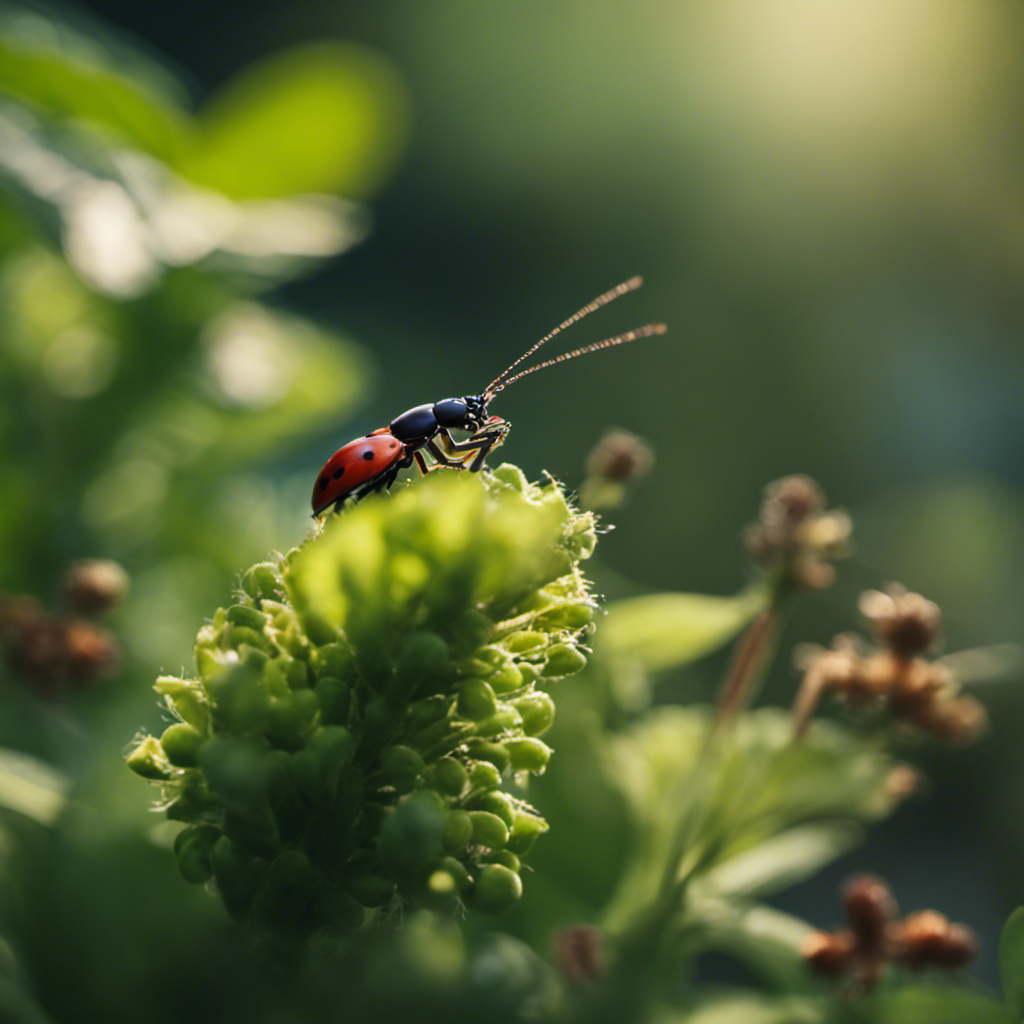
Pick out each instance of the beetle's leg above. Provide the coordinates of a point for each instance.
(477, 447)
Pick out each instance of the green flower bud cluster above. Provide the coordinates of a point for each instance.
(357, 711)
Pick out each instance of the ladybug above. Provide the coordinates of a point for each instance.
(373, 462)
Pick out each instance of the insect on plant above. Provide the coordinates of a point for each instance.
(372, 463)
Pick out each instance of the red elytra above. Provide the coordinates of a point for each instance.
(354, 464)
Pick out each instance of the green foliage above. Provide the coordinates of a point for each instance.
(340, 748)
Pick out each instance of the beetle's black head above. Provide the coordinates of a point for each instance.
(466, 413)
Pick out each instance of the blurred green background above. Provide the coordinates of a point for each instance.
(825, 201)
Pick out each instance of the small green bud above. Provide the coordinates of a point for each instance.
(484, 750)
(457, 879)
(334, 698)
(297, 674)
(525, 641)
(293, 717)
(235, 872)
(187, 700)
(181, 744)
(504, 719)
(511, 475)
(318, 629)
(263, 580)
(401, 766)
(149, 760)
(506, 858)
(193, 847)
(332, 660)
(528, 754)
(506, 679)
(411, 836)
(318, 767)
(488, 829)
(246, 615)
(529, 672)
(284, 898)
(236, 636)
(370, 890)
(569, 615)
(449, 776)
(496, 889)
(563, 660)
(525, 831)
(537, 711)
(476, 700)
(472, 629)
(484, 775)
(458, 831)
(420, 665)
(498, 804)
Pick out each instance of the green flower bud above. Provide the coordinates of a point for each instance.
(412, 834)
(476, 700)
(503, 720)
(450, 776)
(187, 700)
(194, 847)
(498, 804)
(496, 889)
(262, 580)
(506, 858)
(458, 831)
(511, 476)
(525, 831)
(370, 890)
(484, 750)
(506, 679)
(563, 660)
(537, 710)
(334, 698)
(149, 760)
(488, 829)
(362, 690)
(485, 775)
(246, 615)
(449, 876)
(400, 767)
(181, 744)
(528, 754)
(526, 641)
(317, 768)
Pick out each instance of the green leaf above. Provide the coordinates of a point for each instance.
(56, 70)
(1011, 963)
(783, 860)
(31, 787)
(936, 1004)
(747, 1008)
(325, 118)
(663, 630)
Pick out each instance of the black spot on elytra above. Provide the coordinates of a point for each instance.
(368, 456)
(323, 483)
(338, 473)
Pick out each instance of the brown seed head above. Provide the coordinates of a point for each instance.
(906, 623)
(870, 909)
(929, 939)
(829, 955)
(95, 586)
(619, 456)
(90, 652)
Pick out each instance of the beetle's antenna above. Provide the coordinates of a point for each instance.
(619, 339)
(602, 300)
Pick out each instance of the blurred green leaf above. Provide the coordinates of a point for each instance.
(60, 71)
(1011, 963)
(31, 787)
(936, 1004)
(743, 1007)
(663, 630)
(328, 117)
(783, 860)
